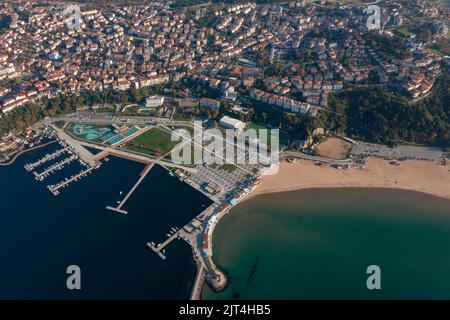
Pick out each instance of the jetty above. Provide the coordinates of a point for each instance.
(156, 250)
(57, 166)
(142, 177)
(46, 158)
(55, 188)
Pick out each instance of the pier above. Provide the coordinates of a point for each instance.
(193, 239)
(57, 166)
(46, 158)
(142, 177)
(159, 247)
(156, 250)
(74, 153)
(55, 188)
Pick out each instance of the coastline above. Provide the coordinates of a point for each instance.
(17, 155)
(414, 175)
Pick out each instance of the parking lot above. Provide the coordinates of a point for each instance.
(227, 179)
(400, 153)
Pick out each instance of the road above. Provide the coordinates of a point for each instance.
(108, 120)
(294, 154)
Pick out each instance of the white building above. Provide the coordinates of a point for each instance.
(154, 101)
(231, 123)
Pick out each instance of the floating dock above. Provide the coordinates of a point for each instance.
(46, 158)
(57, 166)
(55, 188)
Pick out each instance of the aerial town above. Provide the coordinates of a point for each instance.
(142, 46)
(123, 78)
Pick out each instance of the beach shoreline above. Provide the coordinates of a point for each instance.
(413, 175)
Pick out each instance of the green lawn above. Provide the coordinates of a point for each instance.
(154, 141)
(228, 167)
(405, 32)
(434, 51)
(284, 137)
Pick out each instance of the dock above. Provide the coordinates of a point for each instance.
(55, 188)
(141, 178)
(46, 158)
(117, 210)
(156, 250)
(55, 167)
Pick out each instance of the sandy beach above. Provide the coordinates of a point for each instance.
(422, 176)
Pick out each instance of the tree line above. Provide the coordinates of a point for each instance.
(376, 116)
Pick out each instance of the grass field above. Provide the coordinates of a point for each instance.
(228, 167)
(434, 51)
(405, 32)
(284, 137)
(154, 141)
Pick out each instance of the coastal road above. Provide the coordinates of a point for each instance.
(294, 154)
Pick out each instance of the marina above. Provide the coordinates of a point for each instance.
(47, 157)
(77, 226)
(196, 231)
(55, 167)
(73, 152)
(54, 189)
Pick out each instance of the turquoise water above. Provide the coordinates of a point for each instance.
(317, 244)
